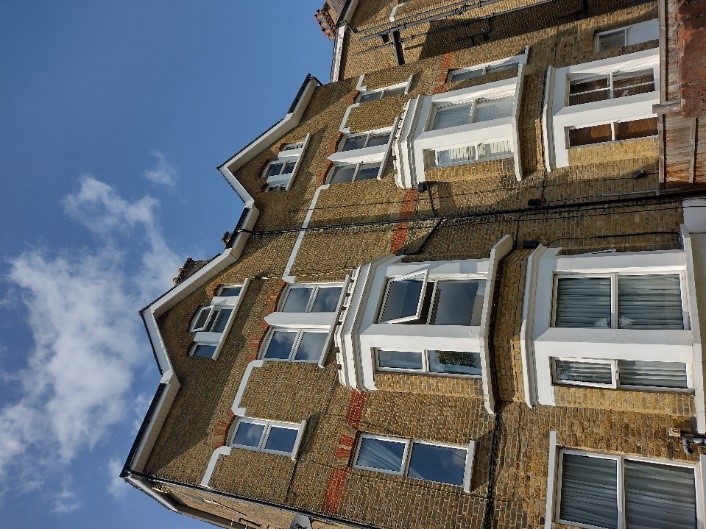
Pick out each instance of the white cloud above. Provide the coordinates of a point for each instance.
(88, 341)
(163, 173)
(139, 409)
(116, 485)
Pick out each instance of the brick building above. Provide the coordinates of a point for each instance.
(467, 287)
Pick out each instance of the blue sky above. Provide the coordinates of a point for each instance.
(113, 117)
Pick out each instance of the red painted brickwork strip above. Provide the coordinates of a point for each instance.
(356, 406)
(402, 229)
(334, 490)
(444, 65)
(346, 440)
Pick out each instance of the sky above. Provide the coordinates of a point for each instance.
(113, 118)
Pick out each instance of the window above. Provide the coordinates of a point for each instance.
(616, 131)
(489, 150)
(627, 36)
(478, 110)
(415, 459)
(615, 492)
(430, 362)
(618, 301)
(413, 299)
(374, 95)
(365, 139)
(266, 436)
(590, 88)
(621, 373)
(279, 173)
(295, 345)
(354, 172)
(312, 298)
(472, 72)
(211, 321)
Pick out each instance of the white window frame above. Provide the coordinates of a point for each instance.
(558, 116)
(415, 135)
(406, 457)
(620, 483)
(395, 89)
(290, 152)
(295, 345)
(541, 341)
(613, 127)
(476, 154)
(218, 303)
(315, 288)
(615, 374)
(268, 424)
(425, 276)
(633, 34)
(424, 370)
(367, 135)
(357, 166)
(488, 67)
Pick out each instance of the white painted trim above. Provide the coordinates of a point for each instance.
(529, 372)
(217, 453)
(551, 481)
(302, 232)
(147, 490)
(497, 253)
(701, 493)
(298, 440)
(338, 52)
(547, 121)
(468, 473)
(330, 337)
(235, 407)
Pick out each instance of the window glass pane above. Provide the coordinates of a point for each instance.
(639, 128)
(589, 89)
(612, 40)
(462, 75)
(248, 434)
(370, 96)
(204, 351)
(280, 345)
(458, 303)
(353, 142)
(494, 149)
(289, 167)
(586, 372)
(326, 299)
(400, 360)
(589, 493)
(402, 298)
(342, 173)
(311, 347)
(455, 156)
(454, 362)
(633, 83)
(274, 168)
(281, 439)
(394, 91)
(583, 302)
(655, 374)
(297, 299)
(487, 109)
(650, 302)
(380, 454)
(229, 291)
(588, 135)
(452, 116)
(368, 171)
(659, 496)
(501, 67)
(201, 318)
(221, 319)
(378, 139)
(442, 464)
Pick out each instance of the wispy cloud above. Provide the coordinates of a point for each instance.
(81, 309)
(163, 173)
(116, 486)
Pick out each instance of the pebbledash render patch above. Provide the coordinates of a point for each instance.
(467, 288)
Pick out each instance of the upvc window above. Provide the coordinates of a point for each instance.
(266, 436)
(487, 150)
(472, 72)
(637, 374)
(474, 111)
(620, 301)
(373, 95)
(439, 463)
(627, 36)
(590, 88)
(279, 173)
(312, 298)
(295, 345)
(614, 131)
(456, 363)
(615, 492)
(365, 139)
(414, 299)
(354, 172)
(211, 321)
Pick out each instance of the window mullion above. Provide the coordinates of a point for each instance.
(610, 84)
(295, 345)
(614, 301)
(312, 297)
(407, 456)
(612, 130)
(621, 492)
(263, 438)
